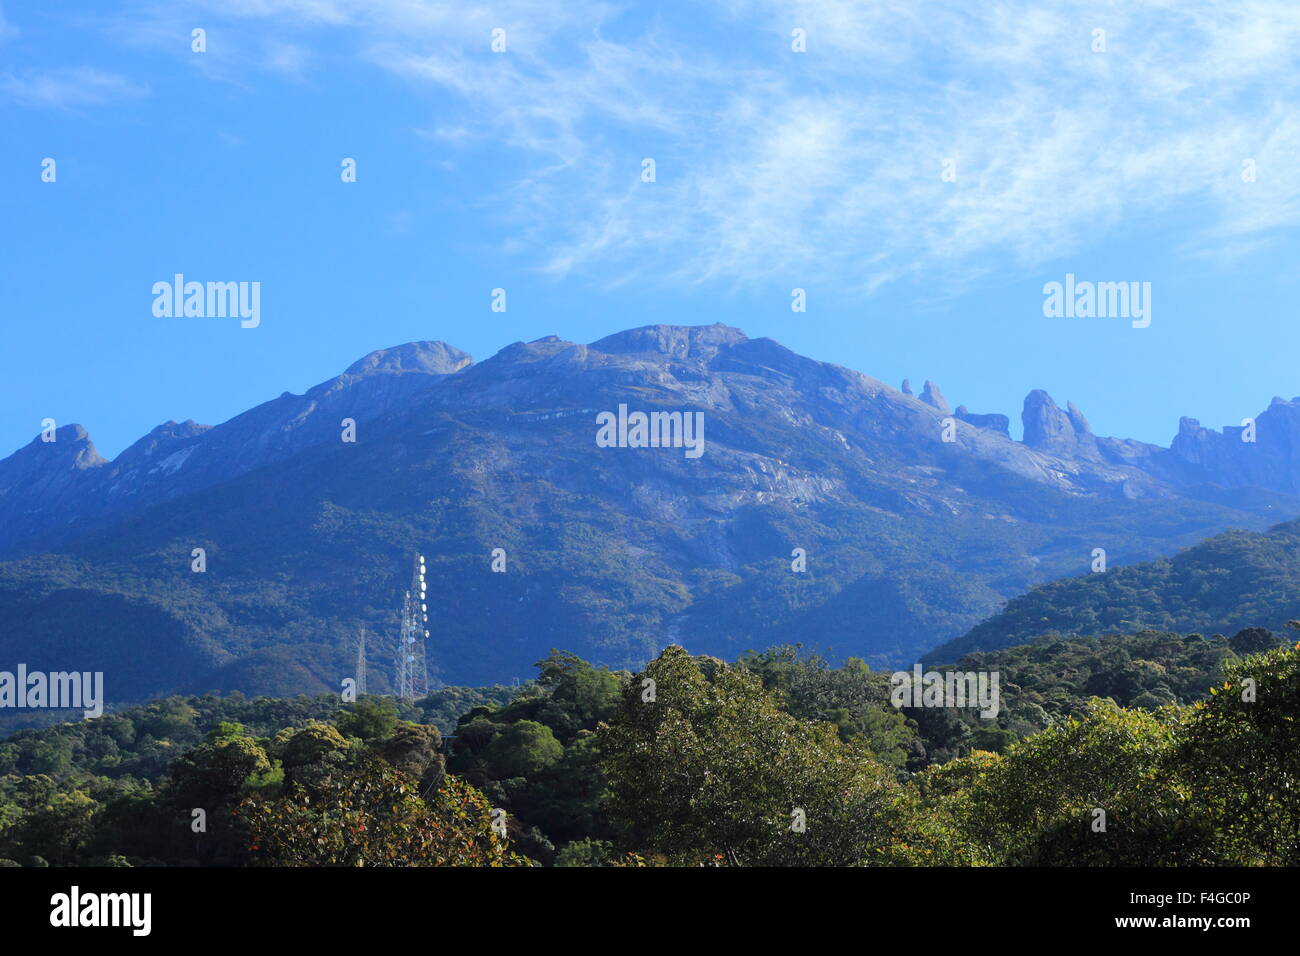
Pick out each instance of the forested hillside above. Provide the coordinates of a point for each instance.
(1234, 580)
(692, 761)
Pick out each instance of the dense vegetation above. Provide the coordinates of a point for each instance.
(1187, 745)
(1226, 583)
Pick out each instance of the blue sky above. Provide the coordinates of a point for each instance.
(775, 170)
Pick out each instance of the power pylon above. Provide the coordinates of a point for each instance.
(361, 661)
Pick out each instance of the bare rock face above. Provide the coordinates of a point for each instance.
(674, 341)
(53, 464)
(1265, 456)
(931, 395)
(1046, 426)
(1080, 424)
(430, 358)
(1050, 430)
(994, 422)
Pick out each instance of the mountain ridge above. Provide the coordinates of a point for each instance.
(1231, 581)
(149, 470)
(910, 540)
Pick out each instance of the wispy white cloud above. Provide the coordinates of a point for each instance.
(290, 59)
(826, 164)
(67, 88)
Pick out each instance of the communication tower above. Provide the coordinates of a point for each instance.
(412, 666)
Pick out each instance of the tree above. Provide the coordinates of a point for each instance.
(1253, 640)
(1040, 804)
(213, 774)
(212, 778)
(310, 752)
(366, 813)
(711, 767)
(580, 695)
(413, 749)
(56, 829)
(585, 852)
(851, 697)
(1239, 751)
(522, 749)
(369, 718)
(994, 739)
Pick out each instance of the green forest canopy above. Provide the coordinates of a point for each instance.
(1183, 747)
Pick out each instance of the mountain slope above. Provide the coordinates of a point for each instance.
(52, 491)
(611, 551)
(1234, 580)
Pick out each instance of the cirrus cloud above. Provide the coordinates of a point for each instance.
(826, 164)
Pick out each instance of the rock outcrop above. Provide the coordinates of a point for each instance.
(1062, 433)
(931, 395)
(998, 423)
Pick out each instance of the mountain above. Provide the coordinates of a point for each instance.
(909, 539)
(1235, 580)
(52, 491)
(1269, 459)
